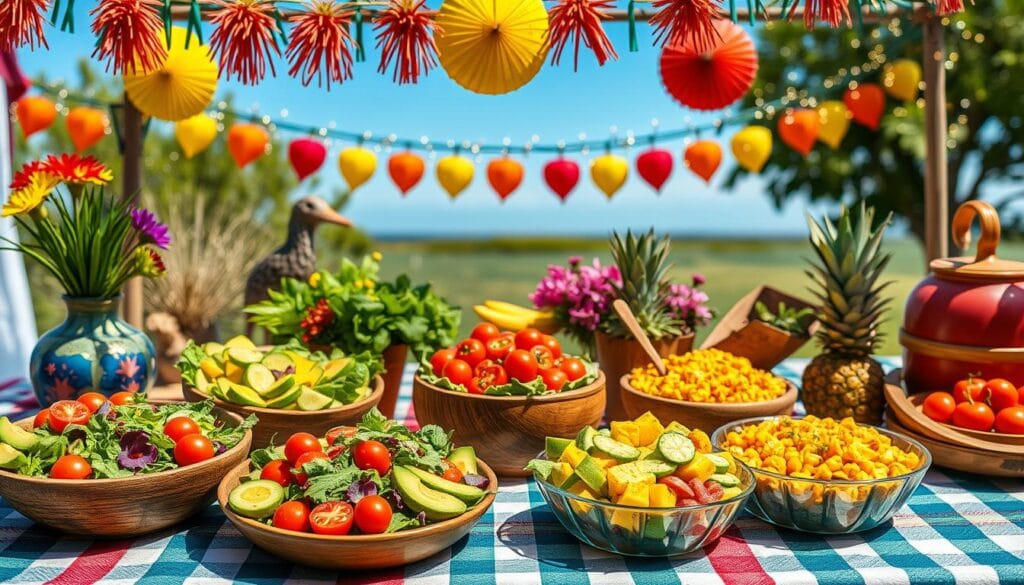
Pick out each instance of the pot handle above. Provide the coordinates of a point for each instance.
(988, 241)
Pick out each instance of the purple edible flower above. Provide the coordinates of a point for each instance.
(152, 231)
(477, 481)
(422, 518)
(688, 304)
(136, 451)
(360, 489)
(584, 292)
(219, 448)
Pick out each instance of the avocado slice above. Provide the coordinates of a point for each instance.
(554, 446)
(240, 341)
(256, 499)
(592, 474)
(11, 458)
(286, 399)
(278, 361)
(466, 493)
(242, 357)
(310, 399)
(213, 348)
(278, 388)
(465, 459)
(585, 438)
(245, 396)
(202, 383)
(219, 389)
(435, 505)
(16, 436)
(335, 367)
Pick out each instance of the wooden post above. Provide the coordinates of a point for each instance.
(131, 183)
(936, 173)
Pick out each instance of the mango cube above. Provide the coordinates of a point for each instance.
(210, 368)
(649, 429)
(620, 476)
(626, 432)
(572, 455)
(661, 496)
(700, 467)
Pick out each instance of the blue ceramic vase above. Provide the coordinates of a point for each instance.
(93, 350)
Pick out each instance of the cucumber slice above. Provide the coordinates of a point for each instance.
(605, 431)
(256, 499)
(614, 449)
(259, 378)
(658, 468)
(278, 361)
(585, 438)
(286, 399)
(279, 387)
(242, 356)
(726, 480)
(721, 463)
(676, 448)
(202, 382)
(219, 389)
(243, 395)
(310, 399)
(554, 446)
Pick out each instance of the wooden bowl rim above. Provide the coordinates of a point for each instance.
(469, 516)
(378, 393)
(789, 396)
(242, 445)
(589, 390)
(1005, 438)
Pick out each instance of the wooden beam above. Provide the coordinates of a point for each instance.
(936, 173)
(131, 184)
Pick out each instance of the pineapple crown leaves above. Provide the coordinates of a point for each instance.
(642, 260)
(846, 279)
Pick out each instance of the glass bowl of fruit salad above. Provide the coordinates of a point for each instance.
(642, 489)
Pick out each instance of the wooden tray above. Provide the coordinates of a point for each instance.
(918, 401)
(962, 458)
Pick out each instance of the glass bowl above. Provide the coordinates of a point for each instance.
(645, 532)
(833, 506)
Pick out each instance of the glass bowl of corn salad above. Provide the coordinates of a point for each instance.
(822, 475)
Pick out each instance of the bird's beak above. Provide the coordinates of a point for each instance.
(330, 216)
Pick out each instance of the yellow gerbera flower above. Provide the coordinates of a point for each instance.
(31, 196)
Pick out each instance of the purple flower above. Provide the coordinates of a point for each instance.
(688, 304)
(698, 279)
(151, 230)
(360, 489)
(136, 451)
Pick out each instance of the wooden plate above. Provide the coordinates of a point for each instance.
(918, 401)
(962, 458)
(374, 551)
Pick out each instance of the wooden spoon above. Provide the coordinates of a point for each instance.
(629, 320)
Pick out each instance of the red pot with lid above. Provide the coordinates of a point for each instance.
(967, 317)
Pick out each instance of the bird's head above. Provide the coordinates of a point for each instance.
(312, 211)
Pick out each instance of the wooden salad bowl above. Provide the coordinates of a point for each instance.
(509, 429)
(123, 507)
(373, 551)
(706, 416)
(282, 423)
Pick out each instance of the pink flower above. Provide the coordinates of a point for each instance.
(689, 304)
(582, 294)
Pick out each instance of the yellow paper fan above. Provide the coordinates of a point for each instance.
(492, 47)
(180, 88)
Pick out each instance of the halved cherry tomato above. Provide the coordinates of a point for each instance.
(71, 467)
(499, 347)
(42, 417)
(574, 368)
(372, 455)
(678, 486)
(488, 373)
(334, 518)
(521, 365)
(451, 472)
(278, 471)
(974, 415)
(551, 343)
(458, 372)
(939, 406)
(440, 359)
(93, 400)
(300, 477)
(180, 426)
(298, 444)
(1010, 420)
(292, 515)
(373, 515)
(528, 338)
(475, 387)
(970, 390)
(68, 412)
(192, 449)
(554, 378)
(122, 398)
(545, 359)
(343, 432)
(472, 351)
(1000, 394)
(485, 332)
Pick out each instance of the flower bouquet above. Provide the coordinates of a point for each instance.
(92, 242)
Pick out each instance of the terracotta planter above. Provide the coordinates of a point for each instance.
(740, 331)
(618, 356)
(394, 366)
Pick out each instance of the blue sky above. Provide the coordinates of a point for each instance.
(557, 105)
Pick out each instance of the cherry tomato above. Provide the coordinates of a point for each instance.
(554, 378)
(969, 390)
(1010, 420)
(451, 472)
(278, 471)
(1000, 394)
(372, 455)
(180, 426)
(192, 449)
(334, 451)
(551, 343)
(301, 478)
(521, 365)
(474, 386)
(545, 359)
(974, 415)
(122, 398)
(678, 487)
(373, 515)
(472, 351)
(499, 347)
(71, 467)
(574, 368)
(298, 444)
(67, 412)
(485, 332)
(440, 359)
(344, 432)
(92, 400)
(939, 406)
(528, 338)
(42, 417)
(487, 373)
(334, 518)
(458, 372)
(292, 516)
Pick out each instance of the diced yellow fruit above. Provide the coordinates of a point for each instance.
(210, 368)
(731, 492)
(649, 429)
(662, 497)
(636, 494)
(700, 441)
(560, 474)
(233, 372)
(302, 364)
(700, 467)
(580, 489)
(311, 377)
(644, 452)
(626, 432)
(618, 480)
(728, 457)
(676, 427)
(627, 520)
(240, 341)
(572, 455)
(605, 462)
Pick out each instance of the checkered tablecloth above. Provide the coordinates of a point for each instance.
(956, 528)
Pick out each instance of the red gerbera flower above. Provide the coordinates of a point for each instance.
(676, 21)
(319, 45)
(581, 20)
(128, 33)
(405, 36)
(21, 23)
(243, 37)
(77, 169)
(23, 177)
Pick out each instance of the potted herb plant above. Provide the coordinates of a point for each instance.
(355, 311)
(92, 242)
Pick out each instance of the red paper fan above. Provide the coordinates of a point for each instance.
(713, 79)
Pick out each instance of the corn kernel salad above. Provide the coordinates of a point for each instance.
(708, 375)
(820, 448)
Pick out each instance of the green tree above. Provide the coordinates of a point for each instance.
(985, 82)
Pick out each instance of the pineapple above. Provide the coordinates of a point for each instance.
(843, 380)
(643, 262)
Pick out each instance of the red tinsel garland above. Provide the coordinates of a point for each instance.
(679, 21)
(243, 37)
(21, 23)
(319, 44)
(944, 7)
(129, 34)
(833, 12)
(405, 37)
(581, 20)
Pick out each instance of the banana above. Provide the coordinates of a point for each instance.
(513, 309)
(543, 321)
